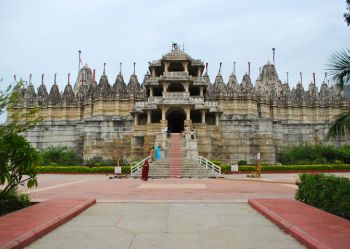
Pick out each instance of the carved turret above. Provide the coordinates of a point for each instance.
(232, 84)
(219, 84)
(42, 92)
(103, 87)
(30, 95)
(133, 85)
(120, 86)
(85, 78)
(55, 96)
(68, 94)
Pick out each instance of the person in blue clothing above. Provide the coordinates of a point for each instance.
(157, 152)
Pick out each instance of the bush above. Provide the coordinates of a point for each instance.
(297, 167)
(13, 201)
(98, 161)
(60, 155)
(216, 162)
(225, 168)
(242, 162)
(314, 154)
(327, 192)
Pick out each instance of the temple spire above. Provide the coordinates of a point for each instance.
(234, 67)
(42, 79)
(273, 55)
(206, 68)
(134, 68)
(314, 78)
(301, 77)
(68, 78)
(220, 68)
(30, 79)
(120, 68)
(249, 68)
(55, 79)
(287, 77)
(104, 68)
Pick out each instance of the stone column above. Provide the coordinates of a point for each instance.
(166, 65)
(188, 114)
(216, 119)
(201, 91)
(186, 88)
(199, 72)
(203, 116)
(136, 119)
(148, 117)
(163, 113)
(151, 91)
(153, 72)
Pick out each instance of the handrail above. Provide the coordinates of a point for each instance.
(209, 165)
(138, 165)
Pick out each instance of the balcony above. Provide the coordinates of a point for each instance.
(174, 76)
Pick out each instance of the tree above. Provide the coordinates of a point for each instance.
(339, 68)
(17, 157)
(347, 15)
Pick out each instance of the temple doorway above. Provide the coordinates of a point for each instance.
(176, 120)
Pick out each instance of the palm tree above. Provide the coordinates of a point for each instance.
(339, 68)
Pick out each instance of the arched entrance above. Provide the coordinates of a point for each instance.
(176, 120)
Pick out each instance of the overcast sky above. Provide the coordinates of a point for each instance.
(41, 36)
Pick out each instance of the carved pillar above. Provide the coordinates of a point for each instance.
(149, 117)
(203, 116)
(136, 119)
(216, 119)
(188, 114)
(163, 113)
(151, 91)
(201, 91)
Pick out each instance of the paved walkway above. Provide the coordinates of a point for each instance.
(313, 227)
(168, 226)
(20, 228)
(104, 189)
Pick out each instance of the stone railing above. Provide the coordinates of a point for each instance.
(173, 95)
(209, 165)
(138, 166)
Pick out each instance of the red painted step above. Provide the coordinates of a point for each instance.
(175, 155)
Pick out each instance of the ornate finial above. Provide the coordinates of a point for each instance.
(55, 79)
(30, 79)
(314, 78)
(325, 76)
(206, 68)
(42, 79)
(287, 78)
(220, 68)
(273, 55)
(120, 68)
(104, 68)
(79, 63)
(249, 68)
(301, 77)
(68, 78)
(134, 68)
(260, 70)
(94, 76)
(234, 67)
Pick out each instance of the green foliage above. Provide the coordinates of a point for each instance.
(297, 167)
(242, 162)
(225, 168)
(340, 125)
(60, 155)
(17, 162)
(216, 162)
(98, 161)
(327, 192)
(246, 168)
(81, 169)
(339, 67)
(314, 154)
(13, 201)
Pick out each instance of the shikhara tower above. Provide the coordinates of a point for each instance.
(233, 120)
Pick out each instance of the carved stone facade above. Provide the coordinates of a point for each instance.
(233, 121)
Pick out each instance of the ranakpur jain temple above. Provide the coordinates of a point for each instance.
(233, 120)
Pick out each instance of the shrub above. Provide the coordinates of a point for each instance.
(13, 201)
(60, 155)
(314, 154)
(225, 168)
(99, 161)
(242, 162)
(327, 192)
(217, 162)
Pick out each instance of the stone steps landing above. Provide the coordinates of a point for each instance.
(175, 159)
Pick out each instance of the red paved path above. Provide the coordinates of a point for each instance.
(311, 226)
(22, 227)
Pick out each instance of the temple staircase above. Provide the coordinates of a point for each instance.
(179, 159)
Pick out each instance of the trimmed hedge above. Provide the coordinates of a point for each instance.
(227, 168)
(81, 169)
(327, 192)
